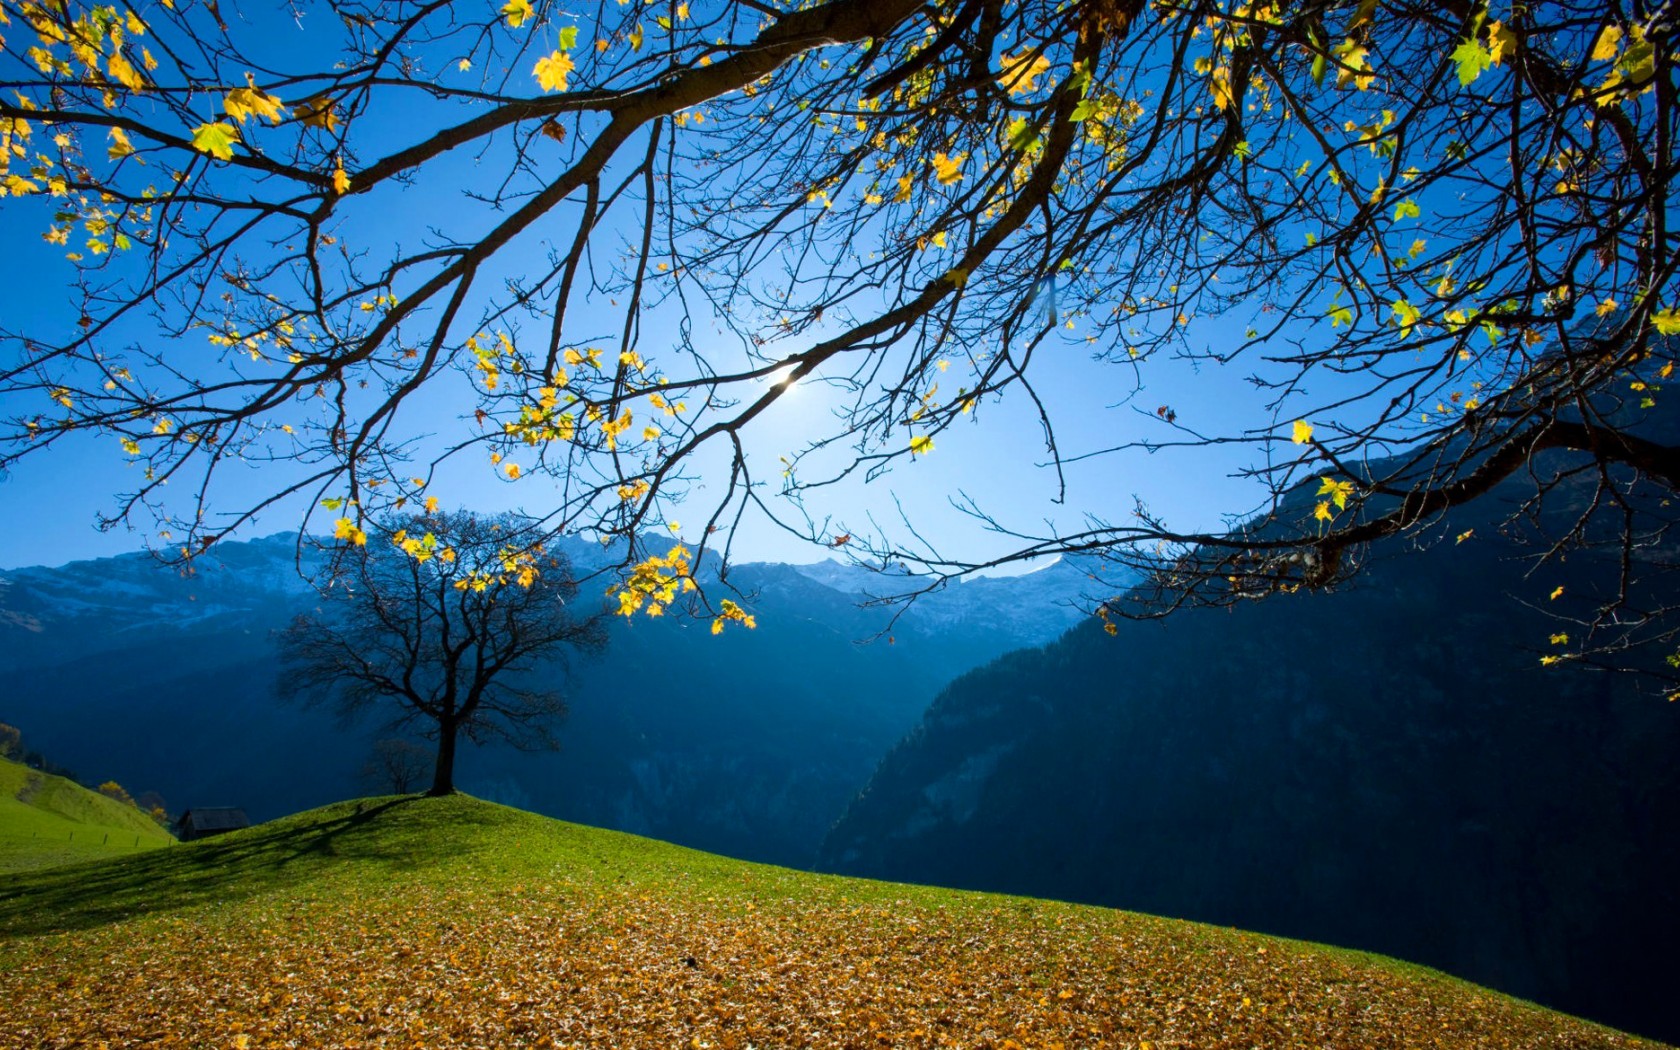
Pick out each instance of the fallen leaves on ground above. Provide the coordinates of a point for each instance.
(579, 956)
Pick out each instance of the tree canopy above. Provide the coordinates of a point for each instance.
(1433, 235)
(441, 626)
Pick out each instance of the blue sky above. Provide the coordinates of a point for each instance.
(50, 501)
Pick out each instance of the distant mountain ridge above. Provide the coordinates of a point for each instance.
(749, 743)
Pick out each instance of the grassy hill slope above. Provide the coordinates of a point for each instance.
(454, 922)
(47, 820)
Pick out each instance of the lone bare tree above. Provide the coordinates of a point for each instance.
(440, 622)
(1435, 236)
(396, 765)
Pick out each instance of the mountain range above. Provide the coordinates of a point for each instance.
(749, 743)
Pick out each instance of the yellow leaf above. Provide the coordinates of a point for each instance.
(1556, 594)
(124, 73)
(341, 180)
(1355, 66)
(1322, 511)
(241, 103)
(1501, 42)
(1020, 73)
(921, 445)
(1221, 87)
(215, 139)
(1667, 321)
(948, 169)
(345, 529)
(1302, 432)
(513, 471)
(1338, 491)
(551, 72)
(464, 65)
(1609, 40)
(431, 504)
(317, 112)
(517, 12)
(1605, 306)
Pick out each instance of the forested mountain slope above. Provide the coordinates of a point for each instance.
(1388, 767)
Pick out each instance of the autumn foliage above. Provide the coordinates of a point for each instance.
(1433, 239)
(452, 923)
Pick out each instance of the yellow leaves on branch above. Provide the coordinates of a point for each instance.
(1635, 62)
(1336, 492)
(421, 548)
(543, 422)
(519, 566)
(612, 428)
(655, 582)
(728, 611)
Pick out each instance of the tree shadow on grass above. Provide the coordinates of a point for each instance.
(227, 868)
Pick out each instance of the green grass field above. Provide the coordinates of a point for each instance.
(46, 821)
(410, 922)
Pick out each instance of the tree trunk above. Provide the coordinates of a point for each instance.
(443, 778)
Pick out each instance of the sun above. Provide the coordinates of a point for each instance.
(783, 381)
